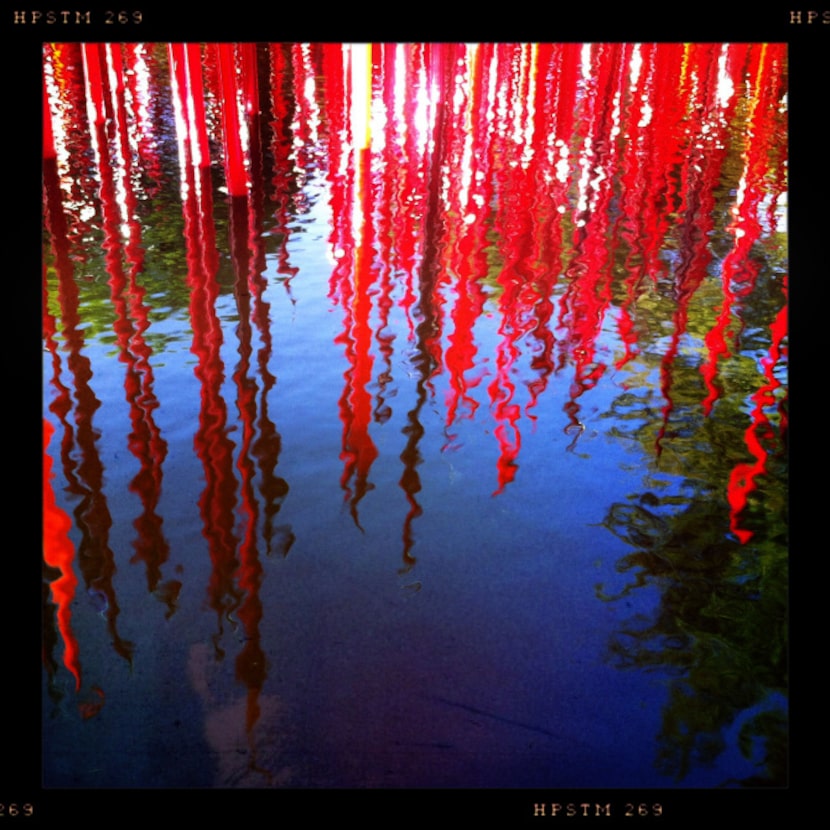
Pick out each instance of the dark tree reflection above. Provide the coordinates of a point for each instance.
(720, 627)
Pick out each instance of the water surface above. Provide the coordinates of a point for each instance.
(415, 415)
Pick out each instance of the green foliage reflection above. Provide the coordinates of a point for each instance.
(720, 631)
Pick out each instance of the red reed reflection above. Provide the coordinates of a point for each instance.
(211, 441)
(279, 152)
(85, 478)
(354, 277)
(59, 554)
(118, 204)
(552, 128)
(700, 173)
(740, 272)
(587, 296)
(236, 176)
(187, 83)
(237, 571)
(259, 436)
(467, 258)
(58, 549)
(760, 434)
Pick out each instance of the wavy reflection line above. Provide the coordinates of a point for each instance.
(259, 437)
(467, 257)
(587, 296)
(384, 181)
(58, 549)
(86, 481)
(525, 221)
(552, 127)
(742, 480)
(282, 181)
(59, 554)
(739, 269)
(211, 440)
(85, 478)
(411, 86)
(131, 321)
(640, 215)
(354, 276)
(359, 450)
(266, 443)
(427, 358)
(230, 555)
(250, 662)
(699, 177)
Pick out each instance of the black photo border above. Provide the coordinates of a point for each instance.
(25, 28)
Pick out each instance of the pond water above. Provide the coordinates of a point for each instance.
(415, 415)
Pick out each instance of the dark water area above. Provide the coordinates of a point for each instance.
(415, 415)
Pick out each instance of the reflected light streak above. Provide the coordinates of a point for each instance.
(59, 553)
(742, 481)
